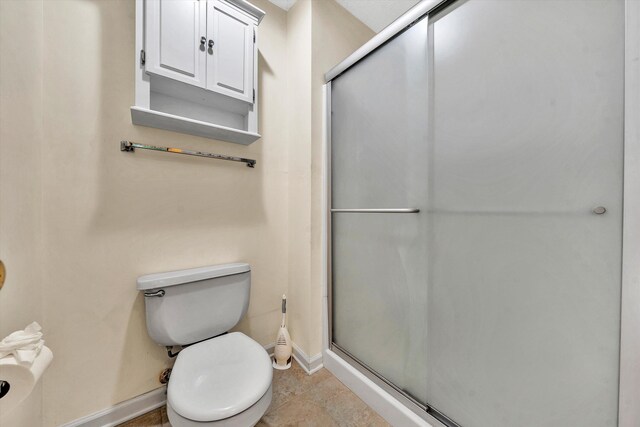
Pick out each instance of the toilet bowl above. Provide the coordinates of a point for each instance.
(222, 382)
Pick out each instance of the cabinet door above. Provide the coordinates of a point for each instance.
(174, 31)
(230, 60)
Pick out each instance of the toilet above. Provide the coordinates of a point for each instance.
(219, 379)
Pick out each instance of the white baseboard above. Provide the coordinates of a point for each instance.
(270, 348)
(139, 405)
(373, 395)
(124, 411)
(310, 364)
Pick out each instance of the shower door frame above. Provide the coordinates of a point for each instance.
(629, 374)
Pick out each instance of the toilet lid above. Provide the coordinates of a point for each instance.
(219, 378)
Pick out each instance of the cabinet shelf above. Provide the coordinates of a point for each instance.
(156, 119)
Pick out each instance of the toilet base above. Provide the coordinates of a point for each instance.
(247, 418)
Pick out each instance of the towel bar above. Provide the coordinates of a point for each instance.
(131, 146)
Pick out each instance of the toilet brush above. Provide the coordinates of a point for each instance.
(282, 352)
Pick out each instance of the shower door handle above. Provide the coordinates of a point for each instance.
(400, 210)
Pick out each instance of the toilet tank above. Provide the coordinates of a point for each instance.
(187, 306)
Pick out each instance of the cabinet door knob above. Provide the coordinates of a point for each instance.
(211, 43)
(203, 40)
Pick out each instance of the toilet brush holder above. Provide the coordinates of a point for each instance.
(281, 367)
(282, 354)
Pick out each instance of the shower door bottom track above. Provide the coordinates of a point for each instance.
(427, 413)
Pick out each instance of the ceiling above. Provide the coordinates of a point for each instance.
(375, 14)
(283, 4)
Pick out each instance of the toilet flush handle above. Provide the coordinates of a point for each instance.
(159, 293)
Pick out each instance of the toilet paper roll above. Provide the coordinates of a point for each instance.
(20, 379)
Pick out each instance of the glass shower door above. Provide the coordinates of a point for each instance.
(379, 240)
(477, 212)
(525, 220)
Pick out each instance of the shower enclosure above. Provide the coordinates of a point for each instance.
(476, 171)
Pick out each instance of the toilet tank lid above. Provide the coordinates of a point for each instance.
(171, 278)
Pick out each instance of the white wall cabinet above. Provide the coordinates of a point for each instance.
(230, 60)
(175, 40)
(197, 67)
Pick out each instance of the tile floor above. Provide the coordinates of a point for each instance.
(299, 400)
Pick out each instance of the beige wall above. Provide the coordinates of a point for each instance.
(321, 34)
(91, 218)
(20, 179)
(299, 129)
(110, 217)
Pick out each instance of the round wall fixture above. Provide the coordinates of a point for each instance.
(4, 388)
(3, 274)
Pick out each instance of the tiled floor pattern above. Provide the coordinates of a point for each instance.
(299, 400)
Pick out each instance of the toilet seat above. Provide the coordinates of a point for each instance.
(220, 378)
(248, 417)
